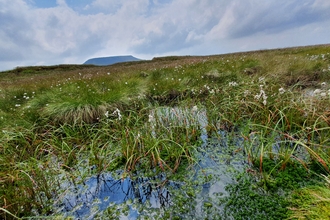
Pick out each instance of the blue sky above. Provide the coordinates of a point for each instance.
(48, 32)
(43, 3)
(77, 5)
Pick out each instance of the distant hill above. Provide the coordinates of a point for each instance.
(104, 61)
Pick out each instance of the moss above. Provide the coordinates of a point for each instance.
(293, 176)
(310, 203)
(267, 195)
(246, 199)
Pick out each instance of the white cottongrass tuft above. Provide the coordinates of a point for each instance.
(117, 113)
(151, 118)
(281, 90)
(262, 95)
(233, 84)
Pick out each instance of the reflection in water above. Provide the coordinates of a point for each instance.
(218, 157)
(102, 190)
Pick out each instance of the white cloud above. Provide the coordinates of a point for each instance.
(29, 35)
(250, 17)
(107, 6)
(61, 3)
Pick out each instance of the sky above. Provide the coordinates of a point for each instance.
(50, 32)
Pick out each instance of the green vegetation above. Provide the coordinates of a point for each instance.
(152, 117)
(311, 202)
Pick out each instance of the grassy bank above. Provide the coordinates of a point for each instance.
(70, 122)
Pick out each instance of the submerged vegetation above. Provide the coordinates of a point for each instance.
(172, 117)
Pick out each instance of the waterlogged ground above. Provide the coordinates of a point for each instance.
(196, 192)
(247, 132)
(131, 198)
(220, 185)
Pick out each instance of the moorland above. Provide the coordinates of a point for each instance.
(175, 121)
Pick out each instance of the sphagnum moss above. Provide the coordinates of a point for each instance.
(274, 100)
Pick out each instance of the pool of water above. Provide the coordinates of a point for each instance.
(220, 158)
(129, 198)
(97, 193)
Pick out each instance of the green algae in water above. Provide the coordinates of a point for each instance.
(251, 198)
(248, 201)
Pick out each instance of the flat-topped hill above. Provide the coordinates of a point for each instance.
(105, 61)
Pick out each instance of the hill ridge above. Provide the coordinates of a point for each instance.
(104, 61)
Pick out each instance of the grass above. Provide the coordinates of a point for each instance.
(311, 202)
(149, 116)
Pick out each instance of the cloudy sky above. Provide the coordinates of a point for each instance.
(47, 32)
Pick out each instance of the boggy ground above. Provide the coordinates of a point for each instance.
(172, 116)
